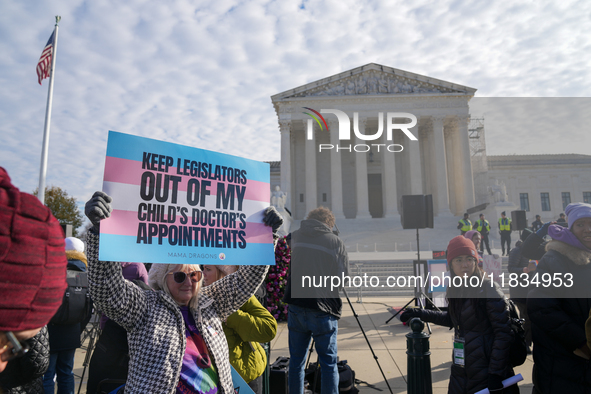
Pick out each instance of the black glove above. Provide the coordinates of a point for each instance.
(410, 313)
(98, 208)
(543, 231)
(273, 218)
(495, 383)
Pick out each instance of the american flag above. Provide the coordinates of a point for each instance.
(44, 65)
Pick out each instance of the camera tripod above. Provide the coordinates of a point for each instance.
(418, 293)
(366, 339)
(91, 332)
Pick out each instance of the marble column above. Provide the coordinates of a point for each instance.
(285, 129)
(466, 170)
(426, 138)
(454, 182)
(310, 163)
(336, 173)
(415, 162)
(361, 186)
(389, 192)
(442, 197)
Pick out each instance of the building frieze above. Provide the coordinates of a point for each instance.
(377, 104)
(374, 79)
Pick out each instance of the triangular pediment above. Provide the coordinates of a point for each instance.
(374, 79)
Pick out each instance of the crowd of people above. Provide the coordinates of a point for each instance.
(171, 334)
(557, 317)
(180, 328)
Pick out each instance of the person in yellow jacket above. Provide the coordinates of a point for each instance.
(505, 231)
(483, 227)
(465, 224)
(245, 329)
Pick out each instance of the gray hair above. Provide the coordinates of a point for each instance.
(157, 279)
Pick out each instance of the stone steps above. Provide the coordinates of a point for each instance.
(382, 270)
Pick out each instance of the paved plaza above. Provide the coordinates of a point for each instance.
(388, 342)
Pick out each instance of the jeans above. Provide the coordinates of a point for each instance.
(256, 385)
(62, 363)
(304, 324)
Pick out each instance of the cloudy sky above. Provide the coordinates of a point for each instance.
(201, 73)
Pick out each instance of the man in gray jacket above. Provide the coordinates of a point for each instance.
(314, 302)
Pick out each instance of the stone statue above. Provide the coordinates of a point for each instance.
(278, 198)
(498, 192)
(384, 84)
(406, 88)
(350, 89)
(504, 196)
(361, 86)
(372, 84)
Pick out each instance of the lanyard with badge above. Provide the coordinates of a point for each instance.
(459, 355)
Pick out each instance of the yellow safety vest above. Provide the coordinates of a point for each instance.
(479, 228)
(505, 224)
(466, 224)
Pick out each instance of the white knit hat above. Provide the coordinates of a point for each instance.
(156, 275)
(74, 244)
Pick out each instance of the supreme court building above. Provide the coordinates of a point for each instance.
(364, 177)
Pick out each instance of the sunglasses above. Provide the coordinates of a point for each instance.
(15, 348)
(180, 277)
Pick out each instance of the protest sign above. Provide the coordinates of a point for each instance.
(493, 267)
(240, 386)
(183, 205)
(437, 286)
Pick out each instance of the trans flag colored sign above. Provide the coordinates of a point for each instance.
(183, 205)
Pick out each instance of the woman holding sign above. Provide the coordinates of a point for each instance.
(244, 329)
(479, 314)
(176, 340)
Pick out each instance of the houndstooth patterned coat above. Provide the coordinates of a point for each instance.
(155, 326)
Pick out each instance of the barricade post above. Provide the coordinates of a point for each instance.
(418, 359)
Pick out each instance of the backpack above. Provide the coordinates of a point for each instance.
(518, 352)
(76, 305)
(346, 378)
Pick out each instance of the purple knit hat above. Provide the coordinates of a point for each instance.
(470, 234)
(577, 211)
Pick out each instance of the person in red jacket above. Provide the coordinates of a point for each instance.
(32, 284)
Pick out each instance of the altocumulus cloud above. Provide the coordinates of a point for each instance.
(202, 74)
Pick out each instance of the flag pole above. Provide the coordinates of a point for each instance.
(43, 170)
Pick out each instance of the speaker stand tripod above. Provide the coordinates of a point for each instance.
(419, 294)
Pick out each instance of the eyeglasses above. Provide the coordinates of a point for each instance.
(180, 276)
(15, 348)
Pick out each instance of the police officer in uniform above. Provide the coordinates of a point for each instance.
(483, 227)
(505, 231)
(465, 224)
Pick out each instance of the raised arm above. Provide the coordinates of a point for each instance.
(232, 291)
(120, 300)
